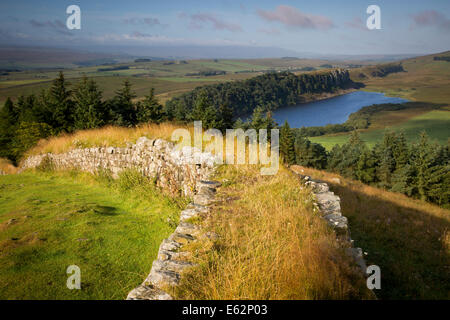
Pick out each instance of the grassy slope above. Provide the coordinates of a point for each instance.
(436, 123)
(425, 80)
(408, 239)
(271, 245)
(112, 234)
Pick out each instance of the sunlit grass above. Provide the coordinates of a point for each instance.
(6, 166)
(103, 137)
(271, 245)
(111, 229)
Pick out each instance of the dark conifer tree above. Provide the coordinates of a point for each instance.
(61, 105)
(123, 110)
(287, 141)
(88, 105)
(150, 109)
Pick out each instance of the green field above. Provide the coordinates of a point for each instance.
(435, 123)
(169, 78)
(111, 230)
(426, 81)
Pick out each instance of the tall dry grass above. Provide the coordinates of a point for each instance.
(6, 167)
(271, 245)
(408, 239)
(103, 137)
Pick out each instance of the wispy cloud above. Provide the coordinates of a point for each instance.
(150, 21)
(357, 23)
(199, 20)
(292, 17)
(431, 18)
(56, 25)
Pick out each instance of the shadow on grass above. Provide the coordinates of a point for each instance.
(409, 244)
(105, 210)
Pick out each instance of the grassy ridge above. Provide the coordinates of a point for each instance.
(408, 239)
(104, 137)
(271, 245)
(110, 229)
(424, 79)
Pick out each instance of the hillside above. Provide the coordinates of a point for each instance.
(284, 232)
(407, 238)
(424, 80)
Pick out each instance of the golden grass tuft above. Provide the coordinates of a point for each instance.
(271, 245)
(6, 167)
(103, 137)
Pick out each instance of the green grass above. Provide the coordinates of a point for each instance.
(424, 79)
(110, 229)
(435, 123)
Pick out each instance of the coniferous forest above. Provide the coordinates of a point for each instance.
(419, 170)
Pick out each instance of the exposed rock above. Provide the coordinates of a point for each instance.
(328, 203)
(148, 293)
(208, 183)
(188, 214)
(187, 228)
(181, 238)
(172, 265)
(338, 222)
(162, 278)
(203, 199)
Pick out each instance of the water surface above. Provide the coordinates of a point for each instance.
(330, 111)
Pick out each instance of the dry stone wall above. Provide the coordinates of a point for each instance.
(174, 169)
(329, 206)
(173, 259)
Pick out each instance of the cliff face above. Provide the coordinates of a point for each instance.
(174, 170)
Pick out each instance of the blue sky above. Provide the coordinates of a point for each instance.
(326, 27)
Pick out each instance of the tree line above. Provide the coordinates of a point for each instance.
(60, 109)
(269, 91)
(420, 170)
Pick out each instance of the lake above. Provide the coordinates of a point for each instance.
(330, 111)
